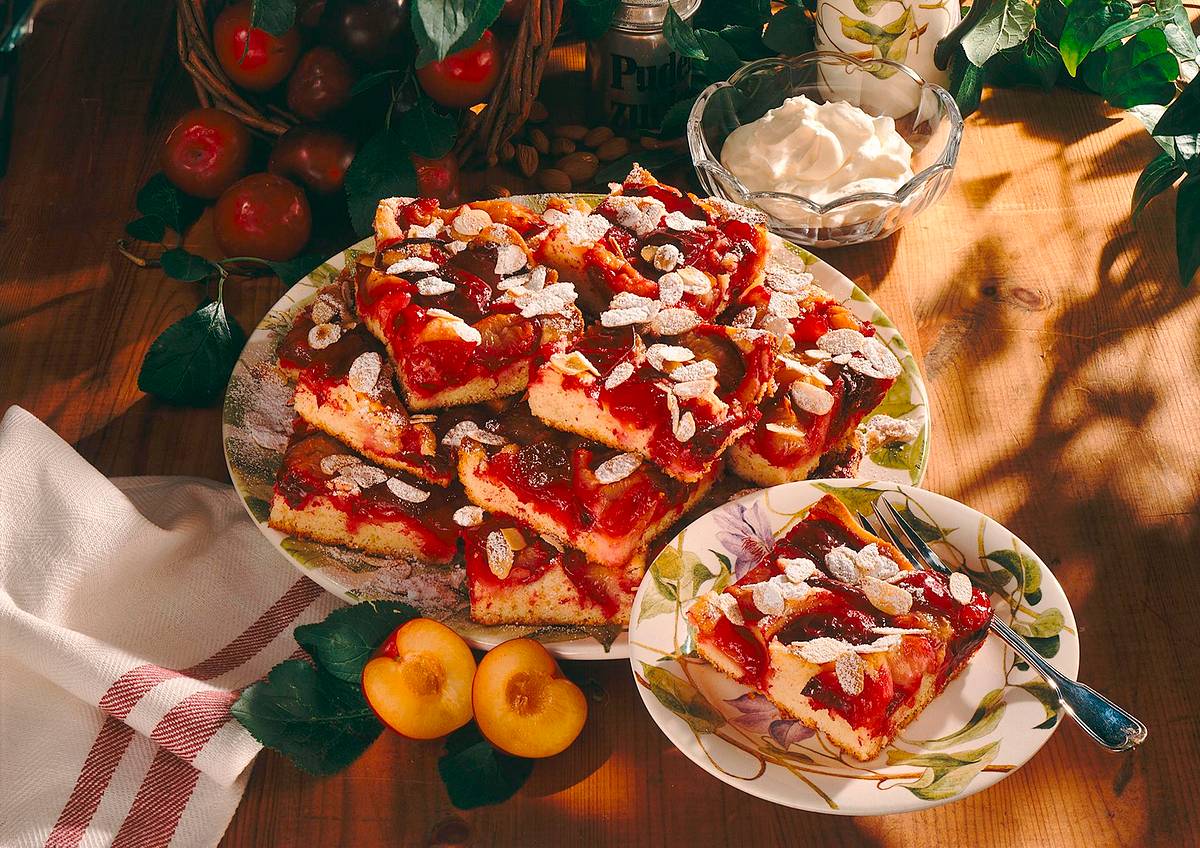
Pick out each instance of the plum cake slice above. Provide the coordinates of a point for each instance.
(838, 630)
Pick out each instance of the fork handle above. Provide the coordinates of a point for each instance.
(1107, 723)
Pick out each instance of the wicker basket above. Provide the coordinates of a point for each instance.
(481, 135)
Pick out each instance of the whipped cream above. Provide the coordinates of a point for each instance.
(821, 151)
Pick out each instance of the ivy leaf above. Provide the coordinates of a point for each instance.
(1187, 228)
(147, 228)
(442, 28)
(425, 130)
(369, 81)
(789, 32)
(674, 122)
(1178, 28)
(966, 82)
(345, 640)
(856, 498)
(722, 60)
(1183, 116)
(681, 37)
(190, 361)
(748, 41)
(1085, 21)
(1036, 62)
(889, 41)
(1119, 31)
(1159, 174)
(159, 198)
(476, 774)
(1050, 18)
(317, 721)
(179, 264)
(1005, 24)
(870, 7)
(294, 270)
(275, 16)
(593, 17)
(1142, 70)
(1024, 568)
(380, 169)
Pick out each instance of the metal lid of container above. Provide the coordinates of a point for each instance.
(648, 15)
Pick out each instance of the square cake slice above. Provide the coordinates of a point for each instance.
(832, 372)
(462, 321)
(838, 630)
(516, 576)
(326, 493)
(678, 402)
(608, 504)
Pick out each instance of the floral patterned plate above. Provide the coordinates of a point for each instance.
(257, 422)
(989, 721)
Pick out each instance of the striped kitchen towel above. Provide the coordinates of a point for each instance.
(132, 613)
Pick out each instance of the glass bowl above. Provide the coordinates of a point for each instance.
(925, 115)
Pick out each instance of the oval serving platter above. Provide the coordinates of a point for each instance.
(257, 421)
(987, 722)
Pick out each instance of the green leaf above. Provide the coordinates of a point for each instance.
(476, 774)
(317, 721)
(748, 42)
(904, 457)
(1048, 647)
(380, 169)
(982, 722)
(1050, 18)
(924, 529)
(966, 84)
(1005, 24)
(441, 28)
(940, 763)
(179, 264)
(953, 781)
(1178, 30)
(294, 270)
(856, 498)
(425, 130)
(1183, 116)
(593, 17)
(1119, 31)
(682, 698)
(674, 122)
(1041, 690)
(870, 7)
(1187, 228)
(1024, 568)
(159, 198)
(1044, 625)
(681, 37)
(1036, 62)
(1142, 70)
(1159, 175)
(260, 509)
(368, 81)
(789, 32)
(668, 565)
(722, 59)
(697, 573)
(308, 554)
(275, 16)
(725, 576)
(655, 603)
(190, 362)
(147, 228)
(345, 640)
(1085, 21)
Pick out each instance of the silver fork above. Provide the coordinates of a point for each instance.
(1108, 724)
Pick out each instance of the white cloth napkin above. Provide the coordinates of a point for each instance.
(132, 611)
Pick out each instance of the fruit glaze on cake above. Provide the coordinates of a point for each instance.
(838, 630)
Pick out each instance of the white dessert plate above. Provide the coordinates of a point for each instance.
(988, 722)
(257, 421)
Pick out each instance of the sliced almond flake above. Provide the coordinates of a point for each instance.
(411, 265)
(537, 279)
(513, 536)
(499, 555)
(416, 231)
(816, 354)
(745, 318)
(783, 305)
(841, 341)
(322, 336)
(900, 631)
(851, 673)
(875, 360)
(660, 354)
(839, 562)
(554, 217)
(701, 369)
(667, 257)
(343, 484)
(790, 590)
(363, 375)
(406, 491)
(582, 229)
(776, 325)
(621, 372)
(768, 598)
(366, 476)
(960, 587)
(794, 369)
(727, 210)
(468, 516)
(823, 649)
(638, 214)
(552, 300)
(784, 430)
(680, 222)
(572, 363)
(810, 398)
(469, 429)
(617, 468)
(686, 428)
(552, 542)
(423, 418)
(433, 286)
(323, 312)
(841, 358)
(879, 646)
(336, 462)
(695, 281)
(670, 289)
(624, 317)
(629, 300)
(455, 246)
(873, 562)
(510, 259)
(728, 605)
(797, 569)
(458, 326)
(780, 279)
(469, 222)
(884, 430)
(519, 282)
(673, 321)
(694, 388)
(672, 406)
(886, 597)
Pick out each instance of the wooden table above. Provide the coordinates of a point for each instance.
(1060, 351)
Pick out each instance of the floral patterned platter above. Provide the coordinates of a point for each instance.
(257, 421)
(987, 723)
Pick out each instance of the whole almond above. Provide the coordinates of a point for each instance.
(497, 191)
(538, 112)
(581, 167)
(597, 136)
(539, 140)
(527, 159)
(561, 146)
(612, 149)
(575, 132)
(507, 151)
(553, 181)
